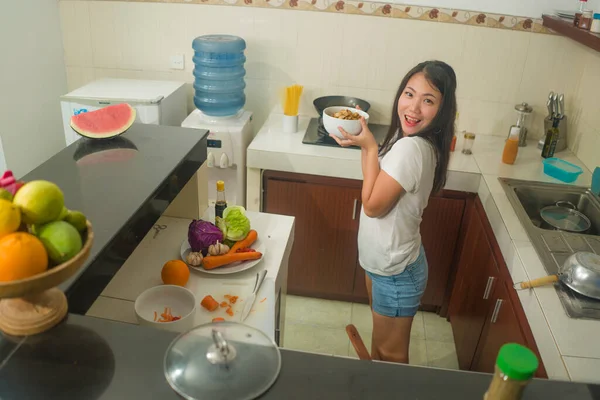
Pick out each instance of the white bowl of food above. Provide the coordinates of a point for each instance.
(346, 117)
(168, 307)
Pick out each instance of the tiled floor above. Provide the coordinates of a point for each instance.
(318, 326)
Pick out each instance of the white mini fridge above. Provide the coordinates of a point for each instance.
(156, 102)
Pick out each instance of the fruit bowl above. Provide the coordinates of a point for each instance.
(34, 305)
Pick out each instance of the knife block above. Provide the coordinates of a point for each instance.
(562, 133)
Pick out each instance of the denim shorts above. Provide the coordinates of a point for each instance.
(400, 295)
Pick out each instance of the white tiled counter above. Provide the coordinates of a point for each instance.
(569, 347)
(142, 271)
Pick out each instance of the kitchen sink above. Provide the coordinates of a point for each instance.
(553, 246)
(533, 197)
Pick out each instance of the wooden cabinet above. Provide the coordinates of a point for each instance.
(502, 326)
(324, 256)
(485, 312)
(439, 232)
(471, 294)
(324, 260)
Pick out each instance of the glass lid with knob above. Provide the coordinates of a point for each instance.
(222, 361)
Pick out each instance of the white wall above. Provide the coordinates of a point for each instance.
(524, 8)
(32, 77)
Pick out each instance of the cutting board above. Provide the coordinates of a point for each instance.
(218, 290)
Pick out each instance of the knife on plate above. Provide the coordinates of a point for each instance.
(249, 301)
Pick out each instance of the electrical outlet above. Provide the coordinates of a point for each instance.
(177, 62)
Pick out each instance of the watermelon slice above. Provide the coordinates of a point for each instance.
(104, 123)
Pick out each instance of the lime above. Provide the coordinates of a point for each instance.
(10, 217)
(77, 219)
(63, 214)
(5, 195)
(40, 202)
(61, 240)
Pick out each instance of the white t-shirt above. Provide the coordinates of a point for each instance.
(388, 244)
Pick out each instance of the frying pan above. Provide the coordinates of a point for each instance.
(580, 273)
(322, 103)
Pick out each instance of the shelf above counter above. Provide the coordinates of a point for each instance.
(566, 28)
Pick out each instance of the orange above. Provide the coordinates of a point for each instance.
(175, 272)
(21, 255)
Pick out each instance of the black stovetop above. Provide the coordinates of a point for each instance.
(317, 135)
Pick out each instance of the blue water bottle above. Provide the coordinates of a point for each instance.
(219, 74)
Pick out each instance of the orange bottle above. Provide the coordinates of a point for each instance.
(509, 155)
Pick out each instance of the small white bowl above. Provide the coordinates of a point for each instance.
(180, 299)
(331, 123)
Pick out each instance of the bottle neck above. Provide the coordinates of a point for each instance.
(220, 196)
(582, 4)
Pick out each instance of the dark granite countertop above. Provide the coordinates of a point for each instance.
(90, 358)
(122, 185)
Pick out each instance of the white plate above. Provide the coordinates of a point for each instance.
(229, 269)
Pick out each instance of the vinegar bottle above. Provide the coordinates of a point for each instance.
(220, 204)
(509, 155)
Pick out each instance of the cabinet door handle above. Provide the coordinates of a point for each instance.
(496, 310)
(488, 288)
(354, 209)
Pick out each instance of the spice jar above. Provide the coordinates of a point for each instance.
(468, 143)
(586, 20)
(595, 23)
(514, 369)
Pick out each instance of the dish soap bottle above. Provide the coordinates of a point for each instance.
(514, 369)
(220, 204)
(511, 147)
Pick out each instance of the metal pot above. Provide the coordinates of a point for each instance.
(580, 272)
(322, 103)
(564, 216)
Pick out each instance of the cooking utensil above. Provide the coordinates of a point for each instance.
(555, 104)
(564, 216)
(550, 104)
(357, 343)
(222, 361)
(180, 300)
(561, 105)
(580, 272)
(322, 103)
(550, 110)
(249, 301)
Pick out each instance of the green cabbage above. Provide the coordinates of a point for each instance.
(234, 224)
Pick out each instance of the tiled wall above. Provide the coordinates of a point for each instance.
(329, 53)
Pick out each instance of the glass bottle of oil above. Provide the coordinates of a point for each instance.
(221, 203)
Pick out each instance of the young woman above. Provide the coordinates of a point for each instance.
(398, 178)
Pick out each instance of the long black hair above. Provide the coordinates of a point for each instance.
(441, 130)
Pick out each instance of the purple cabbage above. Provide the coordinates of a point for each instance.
(202, 234)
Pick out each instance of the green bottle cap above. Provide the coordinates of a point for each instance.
(517, 362)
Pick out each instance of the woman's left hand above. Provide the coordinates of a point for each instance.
(364, 140)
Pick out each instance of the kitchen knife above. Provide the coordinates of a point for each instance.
(550, 110)
(555, 104)
(561, 105)
(249, 301)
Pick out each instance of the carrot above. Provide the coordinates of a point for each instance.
(230, 311)
(218, 319)
(263, 300)
(212, 262)
(224, 304)
(209, 303)
(246, 242)
(232, 299)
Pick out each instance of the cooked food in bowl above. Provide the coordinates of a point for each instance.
(335, 117)
(346, 114)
